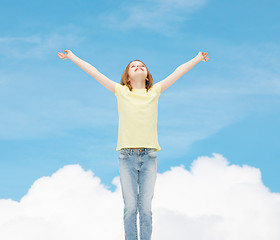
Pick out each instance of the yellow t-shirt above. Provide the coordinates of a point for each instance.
(138, 113)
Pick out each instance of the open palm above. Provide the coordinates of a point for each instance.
(64, 55)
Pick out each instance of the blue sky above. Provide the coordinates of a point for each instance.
(54, 114)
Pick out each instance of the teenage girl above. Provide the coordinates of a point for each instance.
(137, 144)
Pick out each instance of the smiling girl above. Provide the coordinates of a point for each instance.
(137, 97)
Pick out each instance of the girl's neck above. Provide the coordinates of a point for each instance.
(138, 84)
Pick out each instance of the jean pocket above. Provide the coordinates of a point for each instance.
(152, 152)
(123, 153)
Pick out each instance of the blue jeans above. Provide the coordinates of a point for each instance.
(138, 171)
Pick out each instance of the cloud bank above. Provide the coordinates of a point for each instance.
(213, 200)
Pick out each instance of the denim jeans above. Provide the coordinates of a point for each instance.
(138, 171)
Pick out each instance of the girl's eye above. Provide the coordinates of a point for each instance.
(134, 66)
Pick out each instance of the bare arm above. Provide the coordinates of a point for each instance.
(91, 70)
(181, 70)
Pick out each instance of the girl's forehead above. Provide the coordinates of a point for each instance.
(136, 62)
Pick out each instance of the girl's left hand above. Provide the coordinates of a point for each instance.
(203, 56)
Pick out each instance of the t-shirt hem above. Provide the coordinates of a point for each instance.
(157, 149)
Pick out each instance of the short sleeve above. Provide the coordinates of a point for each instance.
(157, 88)
(118, 88)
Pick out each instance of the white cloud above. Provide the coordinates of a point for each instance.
(214, 200)
(39, 45)
(179, 3)
(161, 16)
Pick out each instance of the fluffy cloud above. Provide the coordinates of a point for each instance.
(214, 200)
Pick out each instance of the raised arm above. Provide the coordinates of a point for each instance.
(182, 69)
(91, 70)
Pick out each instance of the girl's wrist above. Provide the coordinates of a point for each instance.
(72, 56)
(198, 57)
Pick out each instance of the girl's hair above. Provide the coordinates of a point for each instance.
(124, 78)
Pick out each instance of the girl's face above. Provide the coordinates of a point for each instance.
(137, 70)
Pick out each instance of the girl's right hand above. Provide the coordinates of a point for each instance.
(66, 55)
